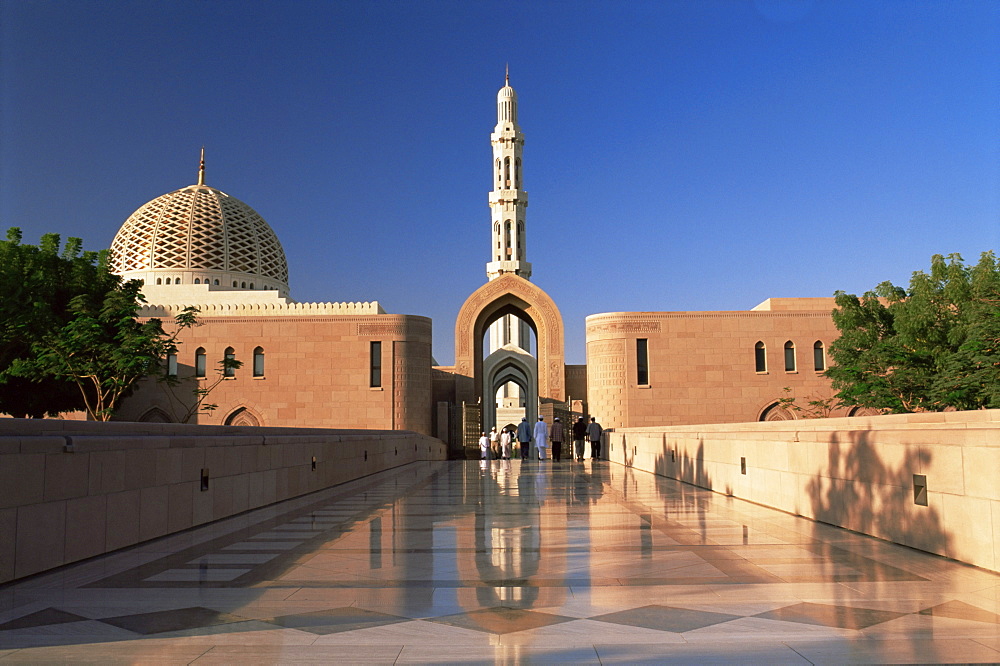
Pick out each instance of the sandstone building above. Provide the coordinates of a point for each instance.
(352, 365)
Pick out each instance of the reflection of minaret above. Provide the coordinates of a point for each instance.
(508, 202)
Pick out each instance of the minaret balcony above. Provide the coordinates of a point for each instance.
(495, 269)
(508, 196)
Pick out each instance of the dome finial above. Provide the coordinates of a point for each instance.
(507, 76)
(201, 168)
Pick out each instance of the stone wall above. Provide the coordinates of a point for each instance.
(317, 372)
(72, 490)
(861, 473)
(702, 365)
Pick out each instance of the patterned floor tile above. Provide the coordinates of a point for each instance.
(665, 618)
(172, 620)
(960, 610)
(655, 655)
(40, 618)
(300, 654)
(444, 562)
(497, 654)
(843, 617)
(911, 651)
(501, 620)
(333, 620)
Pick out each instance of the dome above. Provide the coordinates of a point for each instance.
(200, 235)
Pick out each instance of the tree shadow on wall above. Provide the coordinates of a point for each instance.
(863, 492)
(674, 462)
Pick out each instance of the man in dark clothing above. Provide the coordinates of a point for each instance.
(556, 436)
(524, 438)
(579, 434)
(594, 432)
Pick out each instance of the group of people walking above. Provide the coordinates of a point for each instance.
(499, 445)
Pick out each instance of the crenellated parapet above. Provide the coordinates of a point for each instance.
(274, 308)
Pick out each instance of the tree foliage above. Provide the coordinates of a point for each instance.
(814, 408)
(933, 346)
(37, 284)
(70, 329)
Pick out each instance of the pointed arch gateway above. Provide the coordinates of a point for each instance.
(509, 294)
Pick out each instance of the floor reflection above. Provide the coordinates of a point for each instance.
(507, 559)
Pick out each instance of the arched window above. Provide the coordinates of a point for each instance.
(517, 173)
(258, 362)
(499, 172)
(177, 280)
(159, 280)
(172, 365)
(216, 283)
(197, 281)
(789, 356)
(506, 171)
(242, 417)
(760, 357)
(819, 357)
(243, 285)
(230, 355)
(200, 364)
(507, 230)
(235, 284)
(776, 412)
(155, 415)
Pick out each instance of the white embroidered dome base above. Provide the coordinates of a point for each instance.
(199, 235)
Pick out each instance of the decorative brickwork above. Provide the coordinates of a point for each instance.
(411, 399)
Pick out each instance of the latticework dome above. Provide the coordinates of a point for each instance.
(200, 235)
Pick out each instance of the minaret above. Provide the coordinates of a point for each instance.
(509, 247)
(508, 201)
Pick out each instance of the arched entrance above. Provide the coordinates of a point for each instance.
(508, 294)
(514, 366)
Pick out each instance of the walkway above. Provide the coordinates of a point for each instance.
(508, 562)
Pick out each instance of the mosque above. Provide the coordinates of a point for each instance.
(352, 365)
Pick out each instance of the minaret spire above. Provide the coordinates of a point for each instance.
(508, 201)
(201, 168)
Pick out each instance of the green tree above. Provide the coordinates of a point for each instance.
(104, 349)
(930, 347)
(69, 337)
(37, 284)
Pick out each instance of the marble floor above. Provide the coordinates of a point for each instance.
(508, 562)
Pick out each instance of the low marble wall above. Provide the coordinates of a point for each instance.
(71, 490)
(862, 473)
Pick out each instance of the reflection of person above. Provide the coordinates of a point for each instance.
(579, 434)
(594, 432)
(494, 443)
(524, 438)
(505, 438)
(557, 436)
(541, 437)
(484, 446)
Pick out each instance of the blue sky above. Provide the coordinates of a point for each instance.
(695, 155)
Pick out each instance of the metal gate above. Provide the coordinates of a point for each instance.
(471, 428)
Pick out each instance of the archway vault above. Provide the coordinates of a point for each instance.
(509, 364)
(509, 294)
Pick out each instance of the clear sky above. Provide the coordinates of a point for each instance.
(693, 155)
